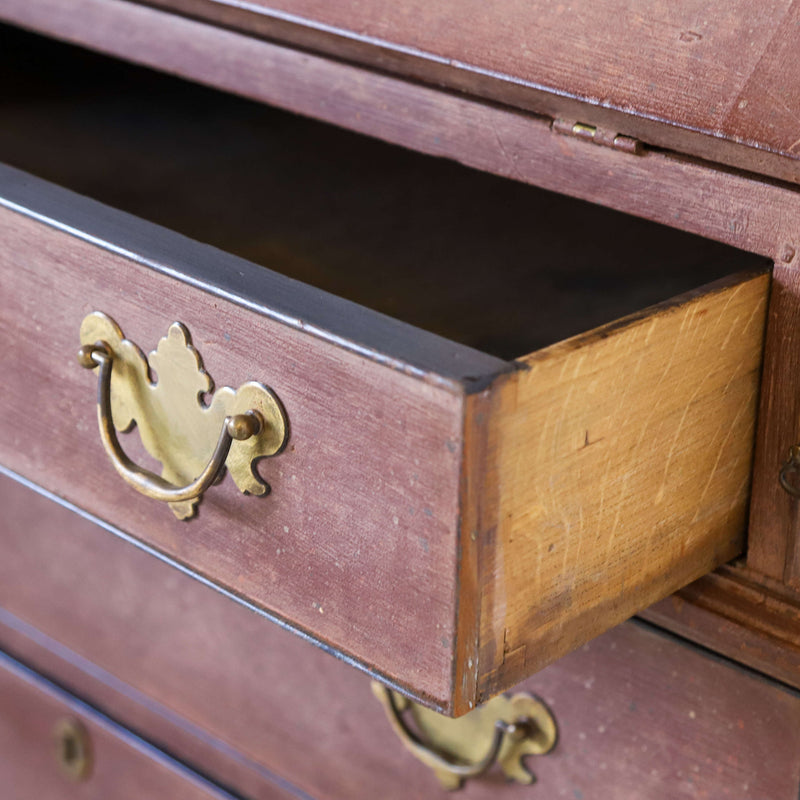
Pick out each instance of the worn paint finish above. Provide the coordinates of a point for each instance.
(725, 205)
(343, 548)
(120, 764)
(335, 548)
(470, 574)
(715, 80)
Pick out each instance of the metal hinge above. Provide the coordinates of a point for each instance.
(592, 133)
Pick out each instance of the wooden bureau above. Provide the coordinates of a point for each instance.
(494, 420)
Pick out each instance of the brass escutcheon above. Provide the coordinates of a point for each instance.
(789, 476)
(193, 441)
(73, 749)
(503, 730)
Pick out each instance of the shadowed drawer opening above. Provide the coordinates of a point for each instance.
(499, 266)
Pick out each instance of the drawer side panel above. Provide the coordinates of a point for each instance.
(621, 461)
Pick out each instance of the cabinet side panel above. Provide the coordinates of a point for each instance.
(774, 522)
(622, 460)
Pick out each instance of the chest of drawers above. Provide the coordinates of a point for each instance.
(460, 498)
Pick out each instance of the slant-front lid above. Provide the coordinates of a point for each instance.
(719, 80)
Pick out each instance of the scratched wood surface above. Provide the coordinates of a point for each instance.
(639, 715)
(622, 465)
(122, 765)
(299, 530)
(419, 590)
(727, 206)
(715, 80)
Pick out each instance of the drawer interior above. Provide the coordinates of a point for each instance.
(497, 265)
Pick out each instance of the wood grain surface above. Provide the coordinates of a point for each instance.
(716, 80)
(356, 542)
(622, 464)
(741, 614)
(774, 523)
(459, 639)
(743, 210)
(639, 714)
(336, 210)
(610, 260)
(123, 766)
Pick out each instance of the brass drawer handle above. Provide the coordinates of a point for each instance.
(193, 442)
(240, 426)
(791, 467)
(504, 730)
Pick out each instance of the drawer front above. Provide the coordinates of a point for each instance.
(55, 746)
(639, 714)
(356, 544)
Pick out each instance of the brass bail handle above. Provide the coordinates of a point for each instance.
(238, 427)
(791, 469)
(436, 761)
(506, 728)
(195, 441)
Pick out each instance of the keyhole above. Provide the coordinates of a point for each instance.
(69, 751)
(73, 751)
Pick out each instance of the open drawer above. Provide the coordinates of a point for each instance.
(462, 498)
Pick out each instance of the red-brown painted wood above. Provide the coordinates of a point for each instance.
(774, 547)
(639, 714)
(182, 736)
(240, 565)
(122, 766)
(714, 80)
(316, 552)
(280, 190)
(355, 543)
(738, 209)
(746, 232)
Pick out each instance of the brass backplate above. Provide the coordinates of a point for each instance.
(176, 426)
(466, 740)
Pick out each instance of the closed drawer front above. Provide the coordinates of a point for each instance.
(639, 714)
(55, 746)
(449, 518)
